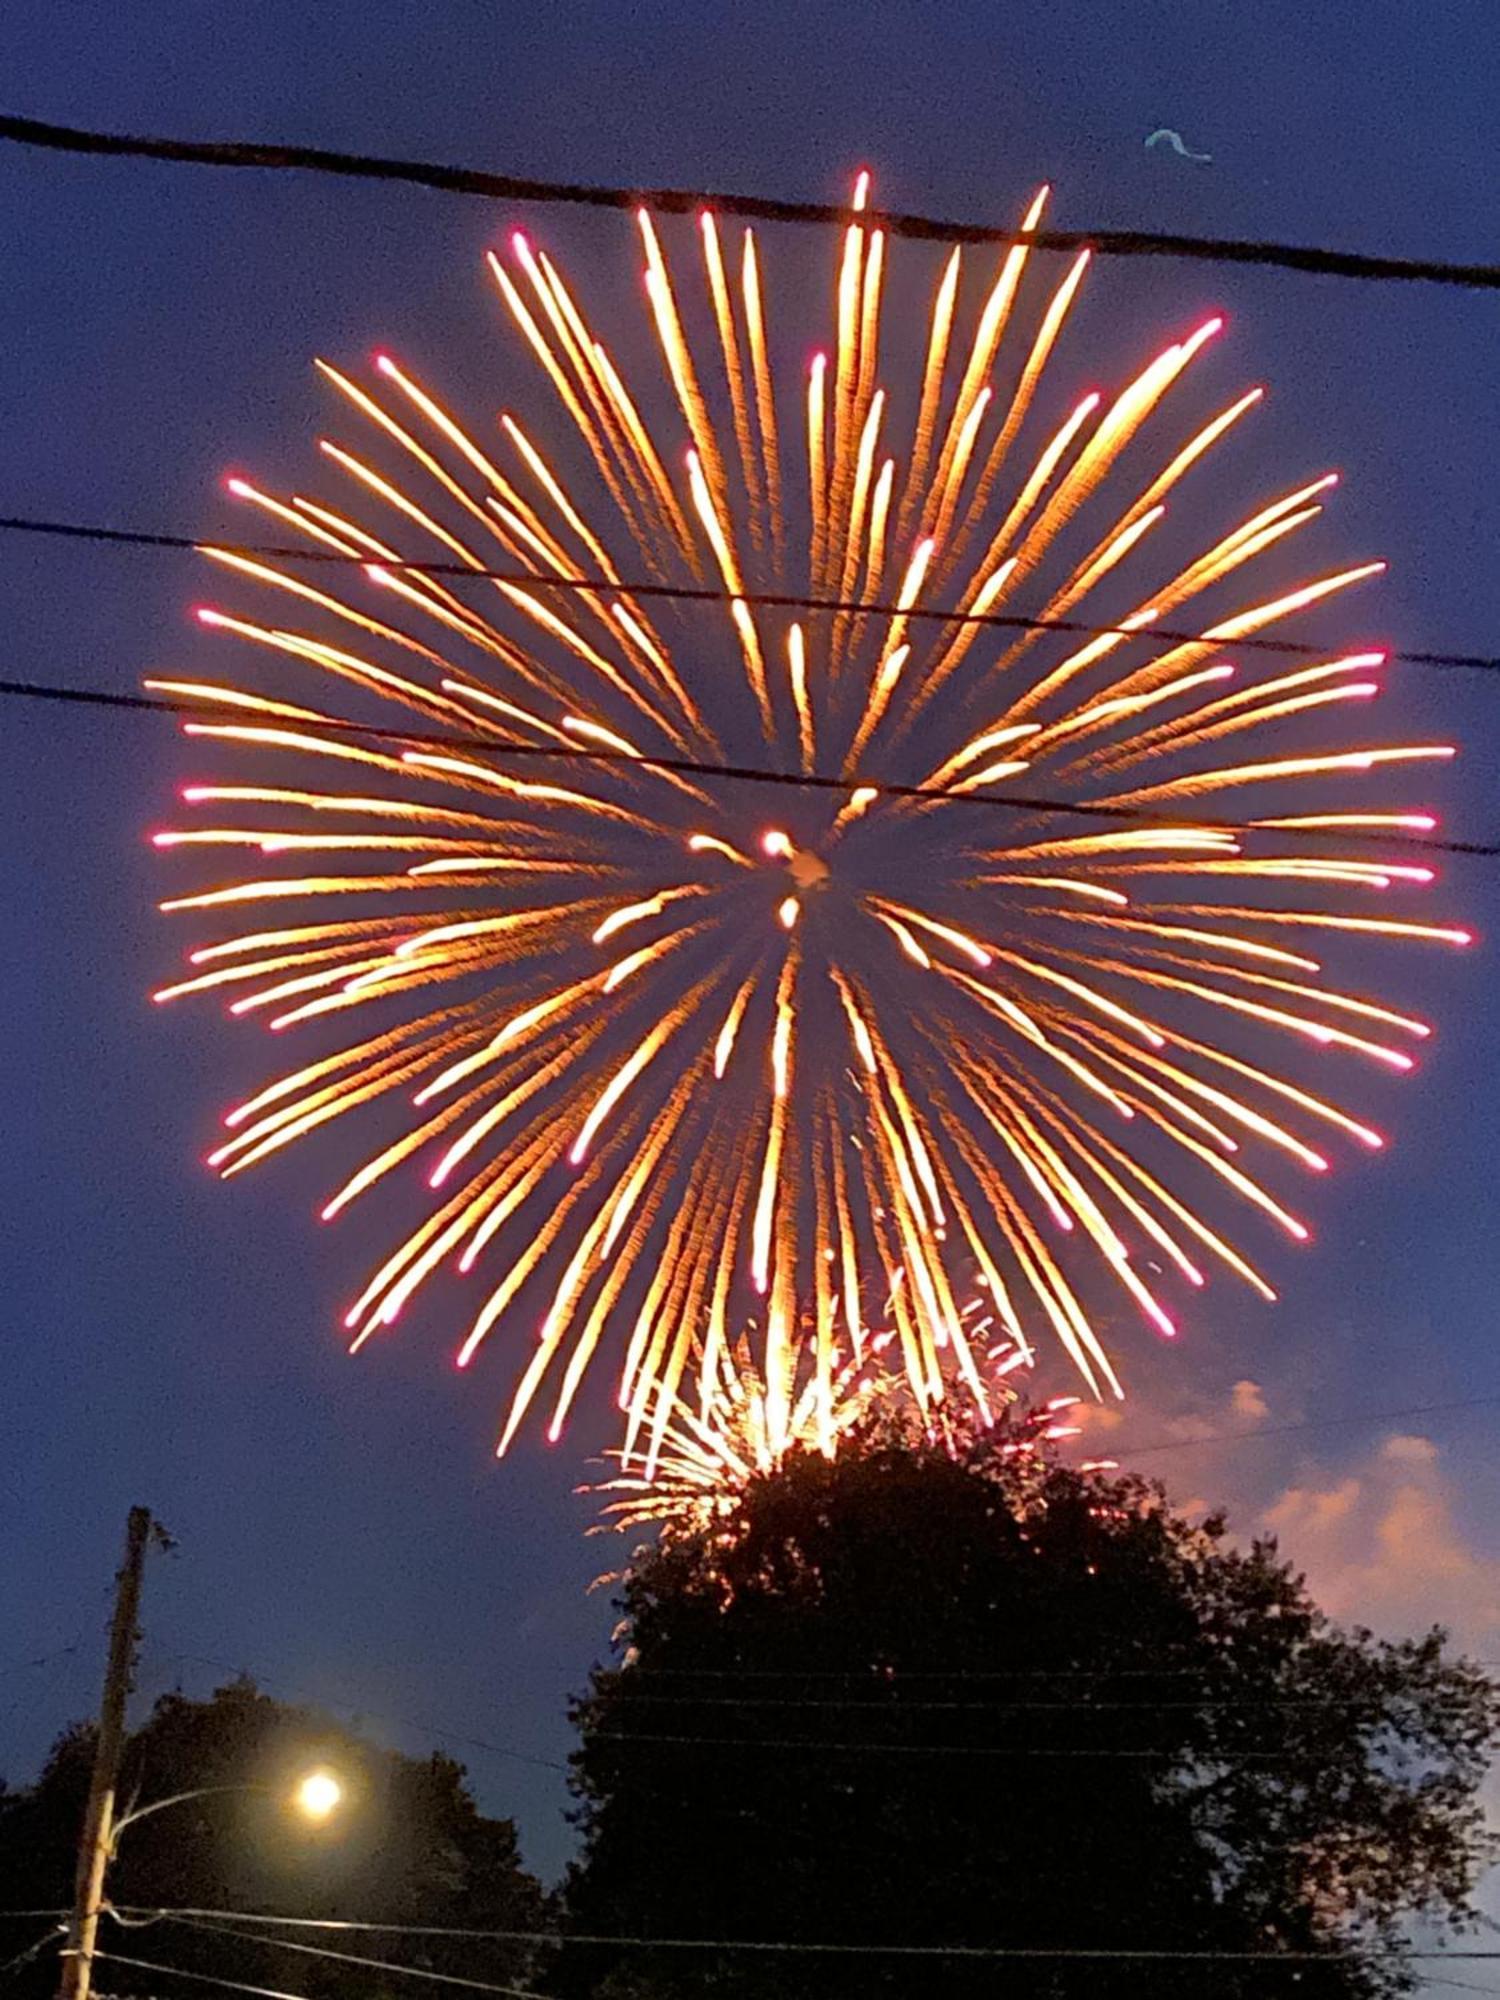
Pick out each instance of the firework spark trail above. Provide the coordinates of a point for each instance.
(660, 1066)
(711, 1447)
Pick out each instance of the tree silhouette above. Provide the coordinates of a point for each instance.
(951, 1693)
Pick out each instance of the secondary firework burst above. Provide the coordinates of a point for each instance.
(711, 1445)
(714, 1445)
(655, 1048)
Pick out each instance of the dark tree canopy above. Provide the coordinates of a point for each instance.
(925, 1695)
(409, 1846)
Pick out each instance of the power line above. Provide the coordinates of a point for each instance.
(24, 1958)
(880, 1675)
(750, 774)
(1384, 1953)
(1312, 1424)
(875, 1675)
(1016, 1750)
(199, 1978)
(43, 1660)
(375, 1715)
(443, 179)
(1083, 1706)
(211, 1929)
(774, 600)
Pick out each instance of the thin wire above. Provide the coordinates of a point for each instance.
(1311, 1424)
(366, 1925)
(44, 1660)
(775, 600)
(200, 1978)
(904, 1706)
(687, 201)
(14, 1965)
(349, 1958)
(375, 1715)
(877, 1675)
(739, 773)
(1398, 1953)
(881, 1675)
(1021, 1750)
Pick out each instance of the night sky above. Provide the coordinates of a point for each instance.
(345, 1532)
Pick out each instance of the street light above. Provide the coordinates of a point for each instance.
(319, 1794)
(316, 1796)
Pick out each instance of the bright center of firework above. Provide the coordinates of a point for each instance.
(808, 870)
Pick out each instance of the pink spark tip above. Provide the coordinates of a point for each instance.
(206, 615)
(240, 488)
(519, 243)
(383, 362)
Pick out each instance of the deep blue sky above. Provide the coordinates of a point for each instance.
(344, 1528)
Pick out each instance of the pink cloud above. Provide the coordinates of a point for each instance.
(1383, 1547)
(1248, 1402)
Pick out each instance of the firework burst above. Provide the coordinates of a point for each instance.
(659, 1054)
(711, 1446)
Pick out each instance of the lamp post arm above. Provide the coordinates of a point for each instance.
(176, 1799)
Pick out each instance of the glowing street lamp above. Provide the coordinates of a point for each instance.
(318, 1795)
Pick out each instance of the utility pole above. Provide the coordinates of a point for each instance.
(97, 1834)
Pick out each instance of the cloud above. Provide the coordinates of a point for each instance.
(1382, 1546)
(1413, 1450)
(1380, 1533)
(1248, 1403)
(1201, 1423)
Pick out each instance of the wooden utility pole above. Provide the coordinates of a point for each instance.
(99, 1816)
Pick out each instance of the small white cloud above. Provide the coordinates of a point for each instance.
(1410, 1450)
(1248, 1403)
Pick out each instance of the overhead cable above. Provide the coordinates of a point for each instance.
(1309, 259)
